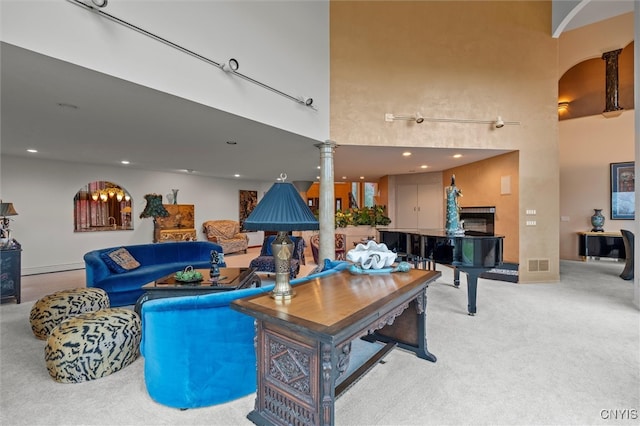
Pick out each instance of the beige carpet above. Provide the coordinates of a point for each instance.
(535, 354)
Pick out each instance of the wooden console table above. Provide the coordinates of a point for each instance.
(600, 244)
(303, 345)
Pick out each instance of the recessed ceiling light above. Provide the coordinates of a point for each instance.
(318, 167)
(344, 178)
(361, 177)
(31, 150)
(424, 166)
(236, 175)
(457, 155)
(318, 177)
(232, 143)
(406, 154)
(125, 162)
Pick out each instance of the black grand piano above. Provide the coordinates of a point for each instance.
(473, 252)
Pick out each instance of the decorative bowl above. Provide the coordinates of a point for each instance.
(188, 275)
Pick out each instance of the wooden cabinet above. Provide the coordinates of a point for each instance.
(600, 244)
(419, 206)
(179, 225)
(10, 272)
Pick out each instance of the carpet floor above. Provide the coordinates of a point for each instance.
(562, 353)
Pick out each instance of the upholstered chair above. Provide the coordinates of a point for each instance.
(227, 234)
(266, 263)
(341, 239)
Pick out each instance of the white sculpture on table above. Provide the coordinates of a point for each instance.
(372, 255)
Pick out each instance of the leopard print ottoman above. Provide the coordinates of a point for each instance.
(93, 345)
(51, 310)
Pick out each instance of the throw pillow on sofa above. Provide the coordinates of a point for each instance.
(120, 260)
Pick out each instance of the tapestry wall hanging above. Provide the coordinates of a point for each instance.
(248, 201)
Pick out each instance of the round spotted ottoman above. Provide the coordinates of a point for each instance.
(54, 308)
(93, 345)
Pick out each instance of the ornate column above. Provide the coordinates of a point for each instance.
(612, 109)
(327, 205)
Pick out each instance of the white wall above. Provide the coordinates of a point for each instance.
(42, 193)
(282, 44)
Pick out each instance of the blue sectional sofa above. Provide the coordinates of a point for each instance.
(156, 261)
(198, 351)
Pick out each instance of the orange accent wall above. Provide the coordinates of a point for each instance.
(481, 185)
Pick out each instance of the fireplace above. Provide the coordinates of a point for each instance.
(478, 219)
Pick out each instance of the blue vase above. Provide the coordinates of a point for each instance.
(597, 221)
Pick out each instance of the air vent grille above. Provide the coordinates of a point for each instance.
(538, 265)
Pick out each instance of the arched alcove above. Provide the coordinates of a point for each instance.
(102, 206)
(583, 86)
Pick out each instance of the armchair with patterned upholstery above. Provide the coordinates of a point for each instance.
(314, 241)
(227, 234)
(266, 263)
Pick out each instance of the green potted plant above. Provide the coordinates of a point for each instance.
(366, 216)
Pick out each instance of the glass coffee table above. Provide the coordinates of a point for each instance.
(229, 279)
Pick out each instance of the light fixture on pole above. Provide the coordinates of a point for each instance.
(305, 101)
(282, 209)
(232, 65)
(419, 118)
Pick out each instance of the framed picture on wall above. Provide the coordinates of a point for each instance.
(623, 190)
(248, 201)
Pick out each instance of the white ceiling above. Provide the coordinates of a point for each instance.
(71, 113)
(598, 10)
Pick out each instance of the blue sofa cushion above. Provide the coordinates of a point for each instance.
(119, 260)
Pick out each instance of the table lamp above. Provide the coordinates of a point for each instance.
(6, 209)
(282, 209)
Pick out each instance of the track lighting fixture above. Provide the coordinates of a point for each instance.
(232, 65)
(306, 101)
(97, 3)
(498, 123)
(393, 117)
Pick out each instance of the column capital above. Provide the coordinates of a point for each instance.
(326, 143)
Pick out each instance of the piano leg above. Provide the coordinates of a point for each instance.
(472, 287)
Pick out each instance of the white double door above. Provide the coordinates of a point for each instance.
(419, 206)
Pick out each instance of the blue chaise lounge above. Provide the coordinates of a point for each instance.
(156, 260)
(198, 351)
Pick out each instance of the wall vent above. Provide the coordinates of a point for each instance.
(538, 265)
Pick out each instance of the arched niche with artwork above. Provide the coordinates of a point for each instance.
(102, 206)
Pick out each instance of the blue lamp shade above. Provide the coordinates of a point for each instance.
(281, 209)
